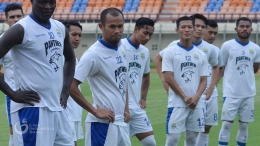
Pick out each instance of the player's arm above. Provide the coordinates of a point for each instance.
(1, 73)
(11, 37)
(220, 73)
(256, 67)
(68, 70)
(127, 116)
(214, 80)
(158, 65)
(144, 90)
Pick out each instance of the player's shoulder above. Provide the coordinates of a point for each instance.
(254, 45)
(173, 43)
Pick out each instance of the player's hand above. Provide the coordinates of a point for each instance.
(166, 87)
(193, 103)
(186, 100)
(142, 103)
(208, 93)
(28, 97)
(105, 114)
(127, 116)
(63, 100)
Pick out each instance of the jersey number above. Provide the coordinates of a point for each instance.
(135, 57)
(188, 58)
(119, 60)
(147, 121)
(201, 122)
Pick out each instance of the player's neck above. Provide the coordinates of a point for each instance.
(243, 41)
(133, 40)
(196, 40)
(41, 21)
(186, 43)
(111, 44)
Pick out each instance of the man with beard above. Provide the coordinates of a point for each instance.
(105, 65)
(241, 59)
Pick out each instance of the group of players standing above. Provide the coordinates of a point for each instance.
(44, 75)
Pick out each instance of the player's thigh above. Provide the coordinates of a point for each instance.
(246, 110)
(211, 114)
(195, 120)
(117, 136)
(230, 108)
(79, 130)
(176, 119)
(139, 123)
(73, 130)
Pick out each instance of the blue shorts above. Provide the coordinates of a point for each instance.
(8, 108)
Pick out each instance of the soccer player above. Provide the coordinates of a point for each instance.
(105, 66)
(241, 59)
(13, 13)
(37, 43)
(73, 110)
(185, 71)
(211, 105)
(138, 57)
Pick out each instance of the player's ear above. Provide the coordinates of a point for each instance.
(176, 30)
(101, 27)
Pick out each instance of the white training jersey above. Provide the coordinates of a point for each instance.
(239, 77)
(188, 65)
(38, 62)
(73, 110)
(7, 63)
(138, 58)
(220, 64)
(106, 70)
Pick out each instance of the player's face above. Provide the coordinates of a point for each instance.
(144, 34)
(113, 28)
(75, 36)
(43, 9)
(210, 34)
(244, 29)
(13, 16)
(200, 28)
(185, 30)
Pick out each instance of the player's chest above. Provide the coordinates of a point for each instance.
(240, 54)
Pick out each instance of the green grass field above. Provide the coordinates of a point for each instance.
(156, 110)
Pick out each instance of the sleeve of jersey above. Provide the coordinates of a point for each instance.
(204, 66)
(213, 60)
(257, 58)
(224, 54)
(167, 61)
(147, 65)
(87, 66)
(220, 60)
(161, 52)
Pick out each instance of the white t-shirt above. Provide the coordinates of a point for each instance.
(239, 77)
(8, 69)
(106, 70)
(188, 65)
(38, 62)
(73, 110)
(138, 58)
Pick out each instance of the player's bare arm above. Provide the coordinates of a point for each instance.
(158, 65)
(214, 80)
(68, 70)
(194, 100)
(1, 74)
(144, 90)
(80, 99)
(174, 86)
(127, 116)
(14, 36)
(220, 73)
(256, 67)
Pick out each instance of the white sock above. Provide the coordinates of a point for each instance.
(242, 134)
(11, 141)
(224, 133)
(191, 138)
(203, 139)
(172, 139)
(149, 141)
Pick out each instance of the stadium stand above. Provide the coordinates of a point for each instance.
(158, 10)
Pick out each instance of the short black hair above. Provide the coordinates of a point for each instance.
(243, 19)
(67, 24)
(11, 7)
(212, 23)
(141, 22)
(112, 11)
(182, 19)
(199, 16)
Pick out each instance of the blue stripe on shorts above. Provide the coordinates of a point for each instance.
(29, 119)
(98, 133)
(224, 99)
(168, 118)
(8, 108)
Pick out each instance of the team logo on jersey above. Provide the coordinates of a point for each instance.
(120, 75)
(133, 69)
(123, 54)
(242, 68)
(53, 61)
(242, 58)
(205, 50)
(52, 48)
(51, 35)
(251, 51)
(196, 56)
(173, 125)
(142, 56)
(187, 75)
(58, 32)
